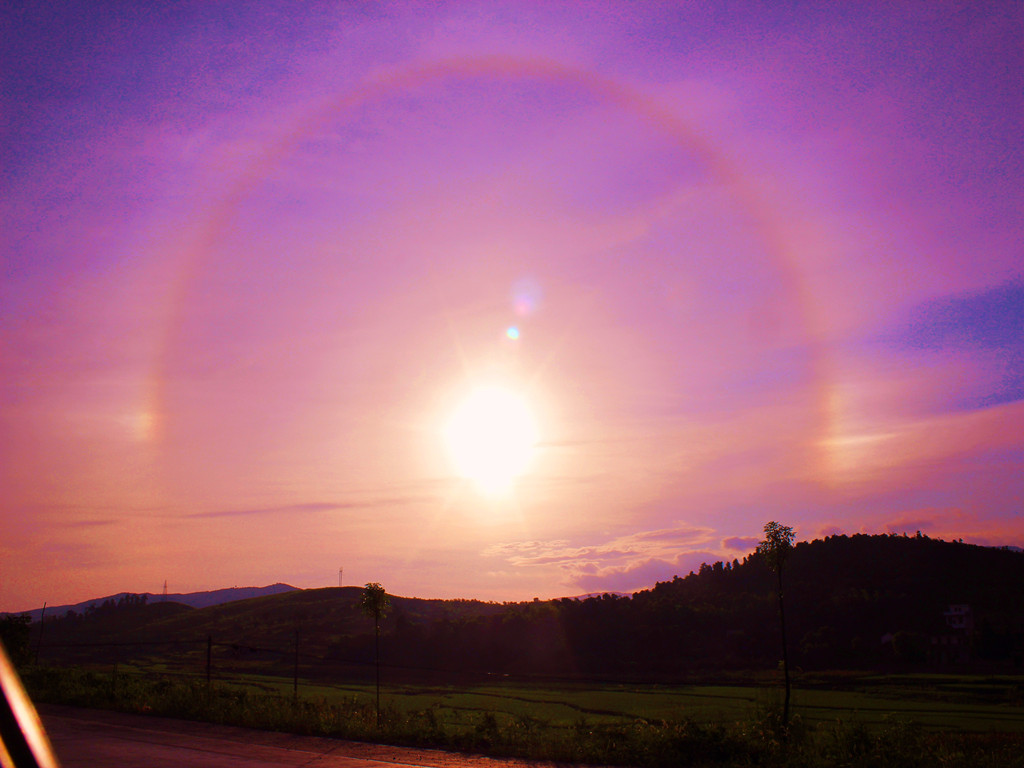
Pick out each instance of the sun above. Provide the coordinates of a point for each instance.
(491, 437)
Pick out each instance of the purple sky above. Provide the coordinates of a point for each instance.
(765, 262)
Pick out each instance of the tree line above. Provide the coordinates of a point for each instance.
(849, 601)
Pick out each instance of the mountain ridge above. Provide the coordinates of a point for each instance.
(193, 599)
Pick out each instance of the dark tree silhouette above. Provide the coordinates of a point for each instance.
(777, 544)
(14, 635)
(374, 603)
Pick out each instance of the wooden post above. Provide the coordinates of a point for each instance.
(295, 675)
(39, 640)
(785, 654)
(377, 655)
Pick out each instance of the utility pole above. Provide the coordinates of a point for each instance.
(295, 668)
(340, 571)
(39, 640)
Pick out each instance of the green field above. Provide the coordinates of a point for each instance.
(856, 720)
(941, 702)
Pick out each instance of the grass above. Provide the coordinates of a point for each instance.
(964, 703)
(891, 721)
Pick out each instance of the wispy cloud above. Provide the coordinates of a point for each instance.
(311, 508)
(741, 543)
(632, 561)
(642, 574)
(91, 523)
(631, 545)
(949, 523)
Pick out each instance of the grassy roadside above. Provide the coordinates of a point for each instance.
(753, 737)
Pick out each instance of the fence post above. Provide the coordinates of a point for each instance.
(209, 653)
(39, 640)
(295, 676)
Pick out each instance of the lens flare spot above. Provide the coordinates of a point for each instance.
(526, 297)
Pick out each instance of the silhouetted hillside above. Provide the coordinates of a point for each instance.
(323, 618)
(847, 597)
(194, 599)
(859, 601)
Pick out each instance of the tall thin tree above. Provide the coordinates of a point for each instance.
(777, 544)
(375, 603)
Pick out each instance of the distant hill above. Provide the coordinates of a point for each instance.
(193, 599)
(329, 621)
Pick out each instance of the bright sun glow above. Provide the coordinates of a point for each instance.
(491, 438)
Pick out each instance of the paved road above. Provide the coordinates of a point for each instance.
(88, 738)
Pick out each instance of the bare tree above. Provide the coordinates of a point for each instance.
(777, 544)
(375, 603)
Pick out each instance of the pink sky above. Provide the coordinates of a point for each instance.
(764, 265)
